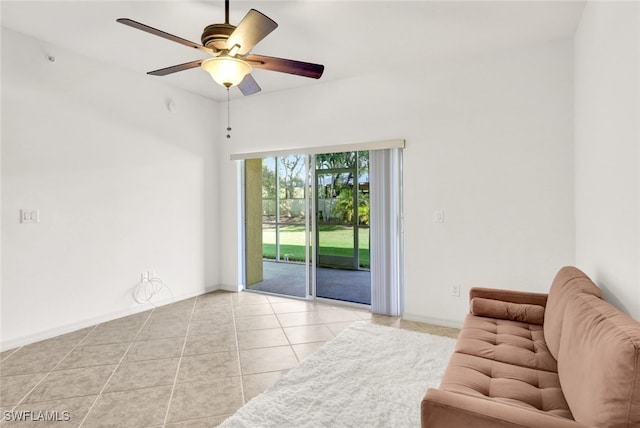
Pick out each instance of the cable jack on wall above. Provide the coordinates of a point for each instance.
(149, 286)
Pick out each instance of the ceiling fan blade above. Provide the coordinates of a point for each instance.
(176, 68)
(254, 27)
(282, 65)
(249, 85)
(140, 26)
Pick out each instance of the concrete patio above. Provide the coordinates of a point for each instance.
(289, 279)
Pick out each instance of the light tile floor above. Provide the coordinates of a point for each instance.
(191, 363)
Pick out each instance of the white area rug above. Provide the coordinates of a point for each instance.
(369, 375)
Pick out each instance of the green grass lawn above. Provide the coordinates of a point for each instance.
(335, 240)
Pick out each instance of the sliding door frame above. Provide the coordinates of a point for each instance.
(310, 209)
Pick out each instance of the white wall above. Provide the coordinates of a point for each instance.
(607, 120)
(489, 141)
(122, 186)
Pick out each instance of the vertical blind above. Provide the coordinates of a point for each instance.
(386, 226)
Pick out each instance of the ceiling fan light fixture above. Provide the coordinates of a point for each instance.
(226, 71)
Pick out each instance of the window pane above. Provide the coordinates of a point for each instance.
(336, 160)
(363, 188)
(268, 190)
(268, 241)
(291, 182)
(292, 241)
(363, 250)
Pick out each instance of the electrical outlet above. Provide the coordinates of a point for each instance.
(455, 290)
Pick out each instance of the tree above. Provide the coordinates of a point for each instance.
(292, 166)
(268, 182)
(349, 170)
(343, 208)
(344, 160)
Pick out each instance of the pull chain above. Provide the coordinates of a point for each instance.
(228, 114)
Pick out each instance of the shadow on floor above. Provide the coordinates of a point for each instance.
(289, 279)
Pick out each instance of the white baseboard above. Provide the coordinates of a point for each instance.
(432, 320)
(68, 328)
(232, 288)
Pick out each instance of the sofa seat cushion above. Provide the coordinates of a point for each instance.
(505, 383)
(506, 341)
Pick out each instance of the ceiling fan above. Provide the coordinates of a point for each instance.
(230, 46)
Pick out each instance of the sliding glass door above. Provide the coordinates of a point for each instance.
(342, 232)
(276, 225)
(290, 252)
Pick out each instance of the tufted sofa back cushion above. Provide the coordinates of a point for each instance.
(599, 363)
(568, 283)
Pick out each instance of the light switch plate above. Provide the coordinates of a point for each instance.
(29, 216)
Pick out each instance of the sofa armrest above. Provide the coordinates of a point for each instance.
(512, 296)
(449, 409)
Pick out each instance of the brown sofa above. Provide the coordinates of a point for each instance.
(566, 359)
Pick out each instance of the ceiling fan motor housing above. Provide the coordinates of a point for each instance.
(215, 36)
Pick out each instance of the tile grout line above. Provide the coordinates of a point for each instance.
(12, 352)
(115, 369)
(235, 335)
(53, 369)
(175, 378)
(284, 332)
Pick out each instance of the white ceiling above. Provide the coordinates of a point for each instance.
(350, 38)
